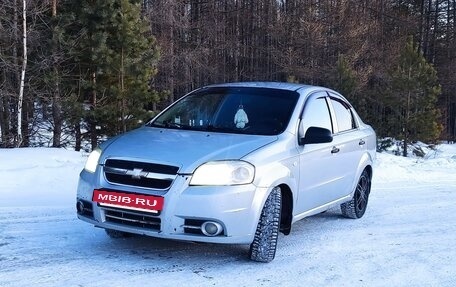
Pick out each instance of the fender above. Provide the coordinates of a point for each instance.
(275, 174)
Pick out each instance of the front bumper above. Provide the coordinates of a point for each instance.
(235, 208)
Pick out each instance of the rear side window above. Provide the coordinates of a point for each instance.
(344, 116)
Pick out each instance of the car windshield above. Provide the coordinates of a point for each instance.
(259, 111)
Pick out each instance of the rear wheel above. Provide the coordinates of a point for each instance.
(356, 207)
(264, 245)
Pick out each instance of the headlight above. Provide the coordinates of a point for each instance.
(92, 161)
(223, 173)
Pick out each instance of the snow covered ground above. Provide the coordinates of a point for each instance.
(406, 238)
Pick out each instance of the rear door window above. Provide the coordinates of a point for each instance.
(344, 116)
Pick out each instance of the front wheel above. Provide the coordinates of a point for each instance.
(264, 245)
(356, 207)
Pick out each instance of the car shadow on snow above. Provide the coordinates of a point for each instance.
(150, 248)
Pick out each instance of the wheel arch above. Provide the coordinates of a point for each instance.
(369, 170)
(286, 213)
(366, 163)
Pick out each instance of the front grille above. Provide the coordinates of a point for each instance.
(140, 174)
(132, 218)
(141, 182)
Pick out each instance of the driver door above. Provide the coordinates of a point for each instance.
(319, 166)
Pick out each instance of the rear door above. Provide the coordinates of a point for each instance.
(349, 143)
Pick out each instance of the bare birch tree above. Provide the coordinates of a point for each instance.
(24, 66)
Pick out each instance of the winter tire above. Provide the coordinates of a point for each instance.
(356, 207)
(117, 234)
(264, 245)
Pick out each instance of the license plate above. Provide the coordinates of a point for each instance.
(128, 200)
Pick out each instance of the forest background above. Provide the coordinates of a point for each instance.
(73, 72)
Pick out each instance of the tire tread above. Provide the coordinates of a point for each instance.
(264, 245)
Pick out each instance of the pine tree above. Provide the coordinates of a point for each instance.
(114, 57)
(345, 81)
(133, 63)
(415, 89)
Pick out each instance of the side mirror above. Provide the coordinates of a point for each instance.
(315, 135)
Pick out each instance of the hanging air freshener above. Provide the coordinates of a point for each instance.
(240, 118)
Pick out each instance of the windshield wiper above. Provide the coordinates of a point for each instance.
(209, 128)
(170, 125)
(174, 125)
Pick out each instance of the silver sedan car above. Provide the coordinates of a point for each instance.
(232, 163)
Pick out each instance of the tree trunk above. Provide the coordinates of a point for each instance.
(78, 136)
(5, 120)
(427, 35)
(421, 27)
(406, 127)
(15, 75)
(407, 117)
(172, 39)
(24, 66)
(123, 104)
(56, 99)
(433, 44)
(93, 124)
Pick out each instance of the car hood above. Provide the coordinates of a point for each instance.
(186, 149)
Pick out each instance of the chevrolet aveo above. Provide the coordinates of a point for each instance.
(232, 163)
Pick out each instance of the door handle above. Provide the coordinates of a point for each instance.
(362, 142)
(335, 150)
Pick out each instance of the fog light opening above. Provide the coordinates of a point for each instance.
(210, 228)
(80, 207)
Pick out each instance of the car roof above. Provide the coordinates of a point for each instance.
(273, 85)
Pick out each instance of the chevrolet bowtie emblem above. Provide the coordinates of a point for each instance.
(136, 174)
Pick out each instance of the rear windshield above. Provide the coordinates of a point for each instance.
(259, 111)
